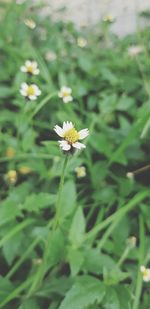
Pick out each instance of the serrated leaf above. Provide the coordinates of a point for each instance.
(85, 292)
(95, 261)
(111, 299)
(34, 202)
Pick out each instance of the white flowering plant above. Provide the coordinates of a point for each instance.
(74, 164)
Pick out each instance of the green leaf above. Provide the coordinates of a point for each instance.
(95, 261)
(68, 199)
(54, 285)
(77, 229)
(8, 211)
(85, 292)
(10, 252)
(75, 259)
(34, 202)
(6, 287)
(56, 248)
(111, 299)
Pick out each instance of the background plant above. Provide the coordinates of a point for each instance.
(86, 262)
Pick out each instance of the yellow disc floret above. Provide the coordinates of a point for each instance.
(30, 69)
(71, 136)
(30, 91)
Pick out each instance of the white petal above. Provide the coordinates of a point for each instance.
(23, 92)
(83, 133)
(24, 86)
(23, 69)
(38, 92)
(78, 145)
(64, 145)
(67, 99)
(66, 89)
(36, 89)
(59, 131)
(32, 97)
(34, 64)
(36, 71)
(67, 126)
(142, 268)
(28, 63)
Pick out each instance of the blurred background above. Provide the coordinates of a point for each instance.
(86, 12)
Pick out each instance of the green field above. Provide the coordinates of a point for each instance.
(74, 205)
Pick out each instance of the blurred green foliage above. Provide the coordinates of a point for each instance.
(88, 263)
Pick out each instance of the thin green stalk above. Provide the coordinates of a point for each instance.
(15, 230)
(138, 289)
(58, 204)
(41, 271)
(15, 293)
(22, 259)
(118, 215)
(123, 256)
(43, 103)
(108, 233)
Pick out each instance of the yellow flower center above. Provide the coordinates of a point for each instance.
(30, 91)
(65, 94)
(71, 136)
(145, 273)
(30, 69)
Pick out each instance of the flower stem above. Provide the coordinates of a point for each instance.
(43, 103)
(58, 204)
(42, 269)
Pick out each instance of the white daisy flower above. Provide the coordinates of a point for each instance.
(80, 171)
(30, 91)
(70, 136)
(50, 56)
(30, 67)
(145, 273)
(81, 42)
(65, 94)
(134, 50)
(30, 23)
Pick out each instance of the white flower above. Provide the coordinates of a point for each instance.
(30, 23)
(30, 91)
(145, 273)
(80, 171)
(65, 94)
(50, 56)
(70, 136)
(81, 42)
(134, 50)
(30, 67)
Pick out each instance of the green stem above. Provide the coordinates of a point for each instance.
(118, 215)
(16, 293)
(43, 103)
(22, 259)
(58, 204)
(43, 268)
(123, 257)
